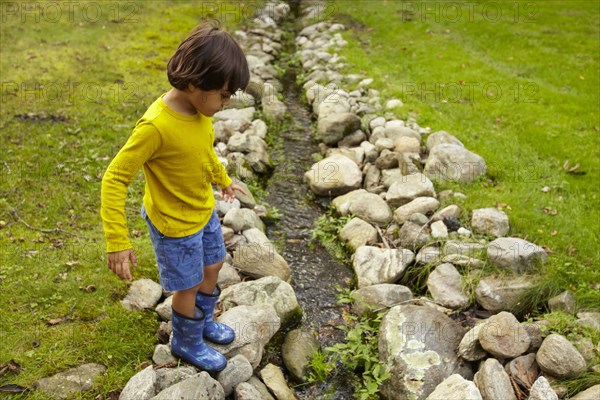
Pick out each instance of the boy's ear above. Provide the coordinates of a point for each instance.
(191, 88)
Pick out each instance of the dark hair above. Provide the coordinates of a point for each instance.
(209, 58)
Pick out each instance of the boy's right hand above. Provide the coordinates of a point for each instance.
(118, 262)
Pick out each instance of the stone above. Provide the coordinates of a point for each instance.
(500, 294)
(165, 309)
(417, 344)
(357, 233)
(515, 254)
(421, 205)
(261, 388)
(410, 163)
(222, 207)
(141, 386)
(503, 336)
(228, 276)
(429, 255)
(387, 160)
(356, 154)
(268, 290)
(445, 284)
(254, 326)
(375, 122)
(297, 351)
(463, 261)
(167, 377)
(143, 294)
(255, 235)
(333, 128)
(439, 230)
(335, 103)
(395, 129)
(374, 265)
(493, 382)
(469, 348)
(451, 162)
(244, 115)
(198, 387)
(376, 297)
(384, 144)
(405, 144)
(559, 357)
(541, 390)
(162, 355)
(353, 139)
(389, 176)
(246, 199)
(164, 331)
(413, 237)
(535, 335)
(257, 128)
(590, 319)
(258, 261)
(490, 221)
(419, 219)
(275, 381)
(237, 370)
(468, 249)
(68, 383)
(274, 110)
(563, 302)
(455, 387)
(463, 232)
(441, 137)
(452, 223)
(592, 393)
(334, 176)
(586, 348)
(393, 103)
(242, 219)
(245, 391)
(364, 205)
(244, 143)
(523, 370)
(450, 211)
(408, 188)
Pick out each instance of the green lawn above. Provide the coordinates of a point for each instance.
(517, 83)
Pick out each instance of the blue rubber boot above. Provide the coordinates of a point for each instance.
(213, 331)
(188, 344)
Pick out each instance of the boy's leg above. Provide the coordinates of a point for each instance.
(184, 301)
(211, 275)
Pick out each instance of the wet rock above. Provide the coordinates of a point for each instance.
(421, 205)
(490, 221)
(592, 393)
(408, 188)
(375, 297)
(442, 137)
(268, 290)
(516, 254)
(366, 206)
(418, 354)
(199, 387)
(238, 370)
(143, 294)
(503, 336)
(455, 387)
(297, 351)
(243, 219)
(358, 233)
(333, 128)
(162, 354)
(66, 384)
(541, 390)
(493, 382)
(334, 176)
(258, 261)
(167, 377)
(469, 348)
(451, 162)
(141, 386)
(563, 302)
(498, 294)
(445, 284)
(559, 358)
(275, 381)
(374, 265)
(412, 236)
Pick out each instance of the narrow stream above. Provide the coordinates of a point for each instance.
(315, 273)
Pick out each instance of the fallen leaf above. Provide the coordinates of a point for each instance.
(572, 250)
(55, 321)
(581, 77)
(71, 263)
(554, 232)
(546, 189)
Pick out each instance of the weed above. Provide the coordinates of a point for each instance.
(326, 232)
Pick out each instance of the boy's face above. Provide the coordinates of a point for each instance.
(210, 101)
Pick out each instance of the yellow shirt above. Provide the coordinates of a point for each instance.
(179, 161)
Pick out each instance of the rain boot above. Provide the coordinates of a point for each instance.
(188, 343)
(213, 331)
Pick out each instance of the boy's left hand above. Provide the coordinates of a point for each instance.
(229, 192)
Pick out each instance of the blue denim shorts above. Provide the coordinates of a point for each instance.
(181, 260)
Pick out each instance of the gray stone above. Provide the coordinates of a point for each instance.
(243, 219)
(333, 128)
(275, 381)
(408, 188)
(541, 390)
(410, 163)
(257, 128)
(162, 355)
(387, 160)
(141, 386)
(167, 377)
(405, 144)
(439, 230)
(442, 137)
(490, 221)
(421, 205)
(356, 154)
(451, 162)
(376, 297)
(164, 331)
(374, 265)
(429, 255)
(535, 335)
(592, 393)
(418, 344)
(516, 254)
(499, 294)
(366, 206)
(413, 237)
(389, 176)
(589, 318)
(255, 235)
(237, 370)
(297, 351)
(268, 290)
(445, 284)
(586, 348)
(258, 261)
(449, 211)
(228, 276)
(244, 115)
(198, 387)
(334, 176)
(493, 382)
(143, 294)
(358, 233)
(375, 122)
(419, 219)
(384, 144)
(245, 391)
(468, 249)
(246, 199)
(222, 207)
(261, 388)
(455, 387)
(66, 384)
(353, 139)
(503, 336)
(274, 110)
(563, 302)
(395, 129)
(469, 348)
(165, 309)
(335, 103)
(559, 358)
(244, 143)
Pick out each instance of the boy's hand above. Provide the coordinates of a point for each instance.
(118, 262)
(229, 192)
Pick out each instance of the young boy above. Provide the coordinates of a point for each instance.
(173, 142)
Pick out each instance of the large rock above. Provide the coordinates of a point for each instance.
(260, 388)
(167, 377)
(268, 290)
(358, 233)
(143, 294)
(254, 326)
(275, 381)
(469, 347)
(379, 296)
(429, 255)
(245, 391)
(412, 236)
(541, 390)
(334, 176)
(237, 370)
(441, 137)
(408, 188)
(297, 351)
(258, 261)
(501, 294)
(141, 386)
(418, 344)
(333, 128)
(455, 387)
(198, 387)
(66, 384)
(241, 219)
(445, 284)
(374, 265)
(422, 205)
(516, 254)
(503, 336)
(490, 221)
(493, 382)
(245, 143)
(592, 393)
(559, 358)
(451, 162)
(244, 115)
(367, 206)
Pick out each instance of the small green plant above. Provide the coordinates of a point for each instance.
(326, 232)
(321, 366)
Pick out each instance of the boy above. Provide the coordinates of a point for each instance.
(173, 142)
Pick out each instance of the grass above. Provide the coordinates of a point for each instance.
(521, 90)
(75, 79)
